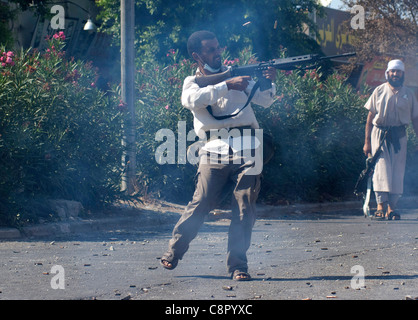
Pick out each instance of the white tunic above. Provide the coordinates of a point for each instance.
(391, 109)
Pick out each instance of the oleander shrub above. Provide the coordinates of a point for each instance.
(317, 123)
(59, 134)
(159, 88)
(159, 107)
(318, 126)
(411, 170)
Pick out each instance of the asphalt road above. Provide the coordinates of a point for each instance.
(318, 256)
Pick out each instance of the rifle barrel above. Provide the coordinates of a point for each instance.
(349, 54)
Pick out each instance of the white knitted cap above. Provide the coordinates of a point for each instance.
(395, 65)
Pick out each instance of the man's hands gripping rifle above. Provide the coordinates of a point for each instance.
(262, 70)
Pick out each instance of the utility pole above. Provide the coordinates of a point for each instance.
(127, 80)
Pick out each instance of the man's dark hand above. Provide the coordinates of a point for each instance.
(238, 83)
(270, 73)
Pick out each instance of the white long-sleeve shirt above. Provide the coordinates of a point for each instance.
(223, 102)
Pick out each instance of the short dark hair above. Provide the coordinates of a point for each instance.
(194, 43)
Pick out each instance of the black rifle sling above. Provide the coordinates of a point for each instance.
(254, 89)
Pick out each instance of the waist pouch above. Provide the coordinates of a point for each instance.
(394, 135)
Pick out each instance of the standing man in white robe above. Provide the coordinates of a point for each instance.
(392, 107)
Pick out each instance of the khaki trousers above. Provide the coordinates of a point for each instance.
(211, 179)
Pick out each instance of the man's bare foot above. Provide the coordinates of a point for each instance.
(392, 215)
(238, 275)
(168, 261)
(166, 264)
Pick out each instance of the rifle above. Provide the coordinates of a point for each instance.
(257, 69)
(364, 182)
(370, 164)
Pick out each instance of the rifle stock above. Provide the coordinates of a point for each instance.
(257, 69)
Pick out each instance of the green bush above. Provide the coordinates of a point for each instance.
(318, 127)
(411, 171)
(317, 124)
(159, 107)
(59, 134)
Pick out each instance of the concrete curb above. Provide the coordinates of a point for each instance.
(348, 206)
(169, 214)
(77, 226)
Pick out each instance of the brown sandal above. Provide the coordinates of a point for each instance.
(394, 216)
(379, 215)
(238, 275)
(168, 261)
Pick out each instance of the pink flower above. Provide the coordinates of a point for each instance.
(230, 62)
(279, 98)
(9, 60)
(122, 105)
(166, 107)
(59, 36)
